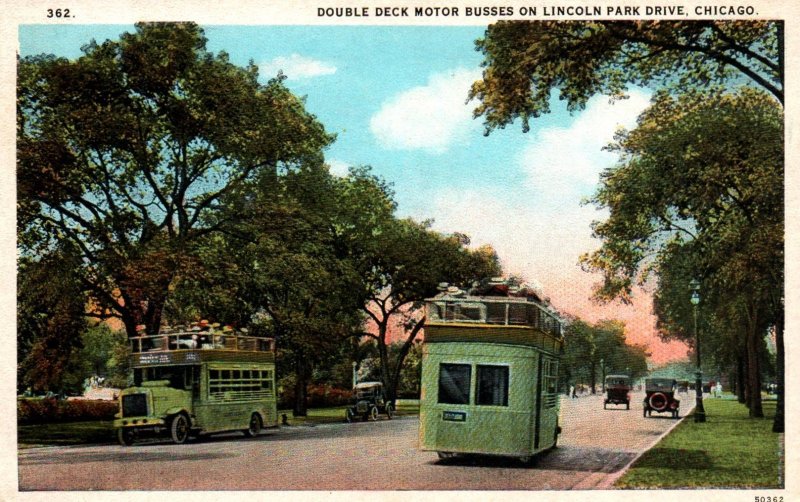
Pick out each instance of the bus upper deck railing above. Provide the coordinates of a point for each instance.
(190, 340)
(498, 312)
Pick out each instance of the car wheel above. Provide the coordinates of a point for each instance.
(445, 454)
(179, 428)
(126, 437)
(349, 416)
(605, 403)
(389, 411)
(627, 405)
(255, 426)
(373, 413)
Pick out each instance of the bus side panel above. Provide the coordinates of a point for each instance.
(501, 430)
(214, 415)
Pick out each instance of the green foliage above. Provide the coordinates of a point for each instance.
(127, 152)
(698, 194)
(50, 306)
(591, 349)
(50, 410)
(526, 60)
(104, 354)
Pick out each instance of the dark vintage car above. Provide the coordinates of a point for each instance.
(660, 396)
(618, 391)
(368, 402)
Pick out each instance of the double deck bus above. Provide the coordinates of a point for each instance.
(191, 383)
(489, 373)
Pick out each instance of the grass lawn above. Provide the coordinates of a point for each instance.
(100, 432)
(64, 434)
(729, 450)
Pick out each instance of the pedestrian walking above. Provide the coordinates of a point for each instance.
(572, 391)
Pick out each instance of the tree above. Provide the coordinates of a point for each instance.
(525, 61)
(409, 262)
(700, 185)
(128, 152)
(586, 345)
(50, 308)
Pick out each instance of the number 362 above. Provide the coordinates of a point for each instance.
(58, 13)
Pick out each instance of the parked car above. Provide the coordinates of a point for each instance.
(660, 396)
(618, 391)
(369, 402)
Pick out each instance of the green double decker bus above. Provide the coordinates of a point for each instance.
(190, 383)
(490, 373)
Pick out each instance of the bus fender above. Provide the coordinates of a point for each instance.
(175, 410)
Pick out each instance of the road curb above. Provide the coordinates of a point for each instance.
(607, 483)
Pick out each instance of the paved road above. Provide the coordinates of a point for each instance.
(594, 446)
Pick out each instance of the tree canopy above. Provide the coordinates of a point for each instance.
(698, 194)
(128, 151)
(525, 61)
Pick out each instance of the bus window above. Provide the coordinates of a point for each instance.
(435, 311)
(454, 383)
(517, 314)
(495, 313)
(471, 312)
(492, 386)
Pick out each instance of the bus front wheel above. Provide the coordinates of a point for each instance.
(126, 437)
(255, 426)
(179, 428)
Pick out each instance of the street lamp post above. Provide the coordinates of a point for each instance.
(699, 411)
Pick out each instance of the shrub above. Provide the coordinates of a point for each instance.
(319, 396)
(50, 410)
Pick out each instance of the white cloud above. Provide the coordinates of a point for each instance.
(542, 237)
(338, 167)
(430, 117)
(563, 163)
(296, 67)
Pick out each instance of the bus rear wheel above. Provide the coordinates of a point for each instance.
(126, 437)
(179, 428)
(255, 426)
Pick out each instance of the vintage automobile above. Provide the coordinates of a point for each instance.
(660, 396)
(368, 402)
(618, 391)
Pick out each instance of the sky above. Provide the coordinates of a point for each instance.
(395, 96)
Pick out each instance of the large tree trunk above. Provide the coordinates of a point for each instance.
(778, 424)
(383, 353)
(300, 386)
(753, 369)
(401, 357)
